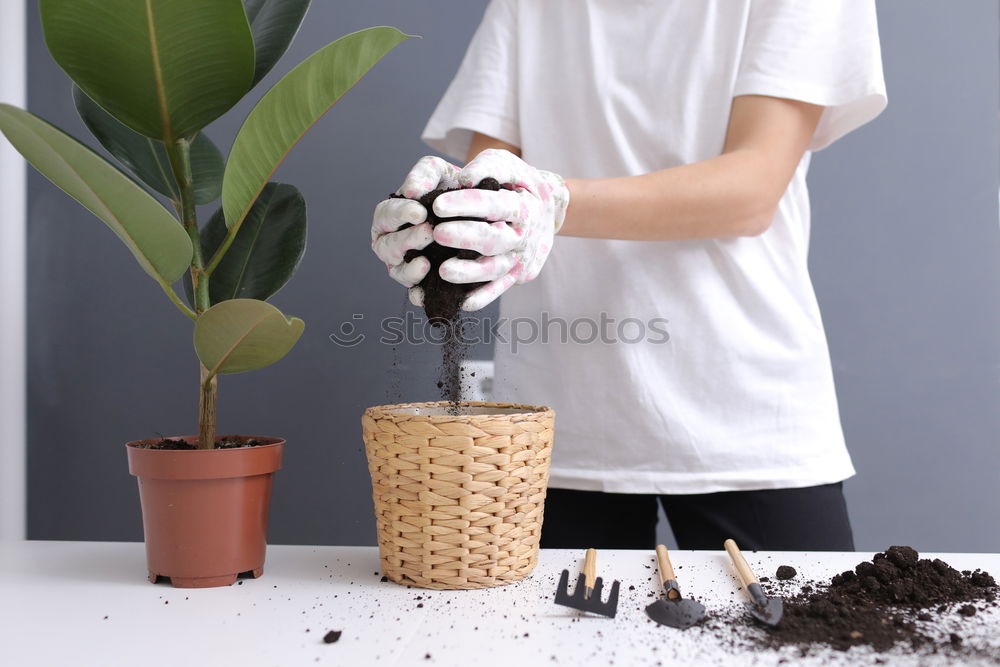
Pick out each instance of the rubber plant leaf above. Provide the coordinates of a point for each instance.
(267, 250)
(273, 24)
(165, 68)
(287, 111)
(243, 335)
(160, 245)
(147, 158)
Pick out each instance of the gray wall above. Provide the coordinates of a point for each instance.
(906, 263)
(905, 260)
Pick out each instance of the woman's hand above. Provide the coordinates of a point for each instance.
(390, 243)
(522, 220)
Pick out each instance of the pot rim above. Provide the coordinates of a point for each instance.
(439, 411)
(195, 464)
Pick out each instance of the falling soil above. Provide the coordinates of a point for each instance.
(785, 572)
(332, 636)
(896, 598)
(222, 443)
(443, 300)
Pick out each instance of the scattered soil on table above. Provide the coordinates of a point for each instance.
(443, 300)
(227, 443)
(785, 572)
(896, 598)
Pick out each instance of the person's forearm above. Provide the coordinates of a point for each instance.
(735, 194)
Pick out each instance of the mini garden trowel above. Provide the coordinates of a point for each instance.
(587, 594)
(764, 609)
(673, 610)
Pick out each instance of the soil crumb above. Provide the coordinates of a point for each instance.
(332, 636)
(785, 572)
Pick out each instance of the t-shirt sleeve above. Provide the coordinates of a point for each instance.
(483, 95)
(824, 52)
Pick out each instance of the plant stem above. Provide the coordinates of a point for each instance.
(179, 153)
(206, 409)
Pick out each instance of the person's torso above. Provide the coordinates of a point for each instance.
(609, 88)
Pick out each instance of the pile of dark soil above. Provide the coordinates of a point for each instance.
(443, 300)
(222, 443)
(896, 598)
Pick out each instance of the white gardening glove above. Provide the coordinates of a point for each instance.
(523, 219)
(392, 244)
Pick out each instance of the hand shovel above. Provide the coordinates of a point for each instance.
(764, 609)
(673, 610)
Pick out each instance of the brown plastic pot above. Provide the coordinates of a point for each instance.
(204, 511)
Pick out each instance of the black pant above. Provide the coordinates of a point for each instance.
(806, 519)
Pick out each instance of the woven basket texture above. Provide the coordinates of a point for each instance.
(459, 499)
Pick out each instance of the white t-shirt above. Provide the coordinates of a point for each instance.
(738, 393)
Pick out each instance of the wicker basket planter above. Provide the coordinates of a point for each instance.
(458, 498)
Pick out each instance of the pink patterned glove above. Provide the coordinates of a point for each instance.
(522, 220)
(391, 243)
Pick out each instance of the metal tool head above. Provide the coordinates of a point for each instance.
(679, 613)
(675, 611)
(580, 599)
(766, 610)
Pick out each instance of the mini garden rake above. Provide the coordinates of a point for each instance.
(587, 594)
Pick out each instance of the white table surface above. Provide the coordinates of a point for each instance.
(88, 603)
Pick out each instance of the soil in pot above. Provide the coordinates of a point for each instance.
(443, 300)
(225, 442)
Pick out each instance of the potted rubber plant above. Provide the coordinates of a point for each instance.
(149, 76)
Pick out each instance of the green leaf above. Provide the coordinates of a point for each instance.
(160, 245)
(244, 335)
(274, 24)
(267, 249)
(291, 107)
(165, 68)
(266, 252)
(147, 158)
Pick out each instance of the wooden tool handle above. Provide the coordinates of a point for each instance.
(590, 568)
(746, 574)
(663, 560)
(667, 573)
